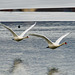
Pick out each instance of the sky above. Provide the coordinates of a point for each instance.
(6, 4)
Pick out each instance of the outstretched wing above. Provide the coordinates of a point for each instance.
(28, 29)
(44, 37)
(58, 40)
(14, 34)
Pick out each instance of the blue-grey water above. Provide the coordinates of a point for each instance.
(36, 57)
(35, 4)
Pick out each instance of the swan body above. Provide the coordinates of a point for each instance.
(21, 37)
(51, 44)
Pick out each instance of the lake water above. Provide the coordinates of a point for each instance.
(36, 57)
(35, 4)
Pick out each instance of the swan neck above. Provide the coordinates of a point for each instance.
(26, 37)
(62, 44)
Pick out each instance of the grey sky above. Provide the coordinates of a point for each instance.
(36, 3)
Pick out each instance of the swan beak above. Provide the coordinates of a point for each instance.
(47, 47)
(65, 42)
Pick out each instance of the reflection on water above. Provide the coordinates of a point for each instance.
(33, 50)
(15, 65)
(18, 68)
(52, 71)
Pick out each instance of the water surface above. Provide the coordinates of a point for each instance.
(37, 58)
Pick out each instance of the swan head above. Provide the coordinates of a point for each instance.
(25, 37)
(65, 42)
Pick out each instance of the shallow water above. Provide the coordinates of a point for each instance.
(37, 58)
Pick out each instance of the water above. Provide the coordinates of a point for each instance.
(36, 4)
(36, 57)
(36, 16)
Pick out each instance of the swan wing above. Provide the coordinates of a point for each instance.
(59, 39)
(14, 34)
(28, 29)
(44, 37)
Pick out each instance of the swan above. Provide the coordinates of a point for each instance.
(21, 37)
(51, 44)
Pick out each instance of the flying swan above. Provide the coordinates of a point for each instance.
(51, 44)
(21, 37)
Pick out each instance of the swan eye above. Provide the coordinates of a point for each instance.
(65, 42)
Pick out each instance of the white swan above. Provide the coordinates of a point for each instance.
(51, 44)
(15, 36)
